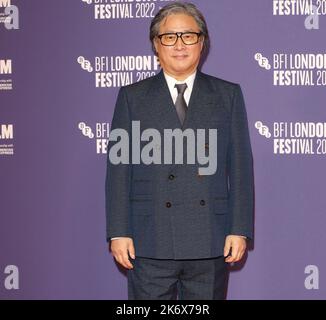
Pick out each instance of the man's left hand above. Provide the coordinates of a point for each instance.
(237, 245)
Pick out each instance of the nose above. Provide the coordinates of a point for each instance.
(179, 44)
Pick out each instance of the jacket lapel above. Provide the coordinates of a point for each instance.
(162, 109)
(160, 105)
(201, 97)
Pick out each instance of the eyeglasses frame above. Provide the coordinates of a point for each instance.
(179, 35)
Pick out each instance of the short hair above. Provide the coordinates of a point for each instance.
(179, 8)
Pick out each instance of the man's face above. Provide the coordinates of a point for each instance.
(179, 60)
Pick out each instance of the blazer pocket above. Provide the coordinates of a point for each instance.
(220, 205)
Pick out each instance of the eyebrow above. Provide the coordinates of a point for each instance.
(188, 30)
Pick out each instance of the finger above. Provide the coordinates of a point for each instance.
(121, 255)
(118, 258)
(236, 259)
(239, 256)
(229, 260)
(126, 261)
(235, 251)
(234, 255)
(131, 251)
(227, 248)
(121, 260)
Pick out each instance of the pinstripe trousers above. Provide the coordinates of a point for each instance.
(200, 279)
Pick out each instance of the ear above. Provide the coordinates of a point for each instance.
(202, 40)
(155, 45)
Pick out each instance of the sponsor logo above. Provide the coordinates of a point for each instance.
(6, 135)
(293, 138)
(121, 10)
(295, 69)
(5, 71)
(310, 9)
(118, 71)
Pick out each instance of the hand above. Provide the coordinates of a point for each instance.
(238, 245)
(120, 249)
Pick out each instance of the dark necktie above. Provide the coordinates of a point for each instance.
(180, 103)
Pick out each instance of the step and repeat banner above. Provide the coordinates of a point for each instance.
(61, 66)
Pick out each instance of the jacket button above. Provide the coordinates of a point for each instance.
(171, 176)
(202, 202)
(206, 146)
(168, 204)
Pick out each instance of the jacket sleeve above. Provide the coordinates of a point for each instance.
(240, 171)
(118, 176)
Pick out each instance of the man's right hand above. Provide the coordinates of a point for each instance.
(120, 249)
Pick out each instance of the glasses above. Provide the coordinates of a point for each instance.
(188, 38)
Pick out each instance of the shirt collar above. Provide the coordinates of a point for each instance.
(172, 81)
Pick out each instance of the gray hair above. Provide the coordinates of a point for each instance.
(179, 8)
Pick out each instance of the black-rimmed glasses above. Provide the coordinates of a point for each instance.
(171, 38)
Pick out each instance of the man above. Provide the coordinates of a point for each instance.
(172, 228)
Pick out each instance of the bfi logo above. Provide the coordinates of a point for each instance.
(12, 15)
(5, 67)
(101, 134)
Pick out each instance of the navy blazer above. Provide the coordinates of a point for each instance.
(169, 210)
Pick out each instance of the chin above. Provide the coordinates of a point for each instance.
(182, 65)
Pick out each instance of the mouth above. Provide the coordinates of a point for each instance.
(180, 57)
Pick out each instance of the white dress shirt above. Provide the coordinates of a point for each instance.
(174, 92)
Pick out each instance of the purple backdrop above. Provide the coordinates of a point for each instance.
(52, 226)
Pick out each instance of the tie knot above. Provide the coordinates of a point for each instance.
(181, 88)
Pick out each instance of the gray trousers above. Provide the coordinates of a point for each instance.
(153, 279)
